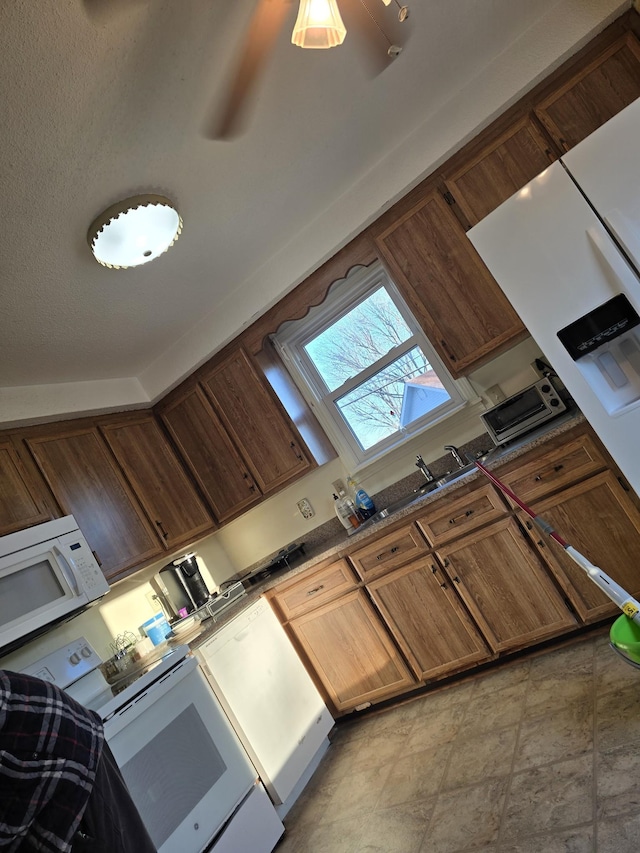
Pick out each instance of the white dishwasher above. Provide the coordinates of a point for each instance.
(270, 700)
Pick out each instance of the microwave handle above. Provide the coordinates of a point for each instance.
(66, 570)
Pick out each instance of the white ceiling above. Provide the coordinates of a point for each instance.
(102, 99)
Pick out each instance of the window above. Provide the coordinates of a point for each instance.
(366, 368)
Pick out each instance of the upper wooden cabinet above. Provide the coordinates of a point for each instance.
(211, 456)
(87, 483)
(464, 313)
(20, 504)
(499, 169)
(158, 479)
(594, 94)
(258, 425)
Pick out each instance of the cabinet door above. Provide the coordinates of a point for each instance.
(257, 424)
(351, 653)
(599, 519)
(594, 95)
(388, 552)
(210, 455)
(158, 479)
(428, 621)
(505, 587)
(464, 313)
(20, 505)
(86, 483)
(499, 169)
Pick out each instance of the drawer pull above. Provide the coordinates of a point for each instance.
(457, 518)
(315, 589)
(556, 469)
(390, 551)
(433, 569)
(443, 586)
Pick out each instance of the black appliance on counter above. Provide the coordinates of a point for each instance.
(184, 584)
(287, 557)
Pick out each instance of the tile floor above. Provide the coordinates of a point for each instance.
(539, 756)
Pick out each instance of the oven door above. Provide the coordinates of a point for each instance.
(181, 760)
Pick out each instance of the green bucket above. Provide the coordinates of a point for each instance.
(625, 638)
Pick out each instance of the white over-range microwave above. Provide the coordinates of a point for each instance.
(47, 573)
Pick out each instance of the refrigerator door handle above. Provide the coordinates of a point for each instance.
(626, 234)
(611, 262)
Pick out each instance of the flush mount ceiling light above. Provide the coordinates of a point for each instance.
(134, 231)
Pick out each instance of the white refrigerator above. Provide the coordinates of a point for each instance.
(565, 250)
(270, 700)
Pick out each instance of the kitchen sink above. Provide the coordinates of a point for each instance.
(425, 489)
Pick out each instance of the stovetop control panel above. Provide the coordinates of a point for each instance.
(67, 664)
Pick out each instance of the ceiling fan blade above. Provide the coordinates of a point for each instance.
(375, 27)
(266, 23)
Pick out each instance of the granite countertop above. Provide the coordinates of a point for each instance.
(341, 543)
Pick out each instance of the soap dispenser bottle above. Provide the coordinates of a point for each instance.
(346, 512)
(363, 502)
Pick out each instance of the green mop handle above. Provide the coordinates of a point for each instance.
(626, 602)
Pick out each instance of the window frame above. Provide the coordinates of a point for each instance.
(343, 296)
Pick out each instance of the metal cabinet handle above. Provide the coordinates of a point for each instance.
(449, 353)
(299, 455)
(434, 569)
(457, 518)
(165, 535)
(252, 487)
(390, 551)
(315, 589)
(443, 586)
(456, 579)
(556, 468)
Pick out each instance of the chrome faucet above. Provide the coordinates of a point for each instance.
(422, 465)
(453, 450)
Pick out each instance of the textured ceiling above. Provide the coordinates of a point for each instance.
(102, 99)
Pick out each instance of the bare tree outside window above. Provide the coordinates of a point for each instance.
(388, 398)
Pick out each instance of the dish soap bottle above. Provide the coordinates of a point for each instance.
(346, 512)
(363, 502)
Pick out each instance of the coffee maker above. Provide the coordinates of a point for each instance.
(184, 585)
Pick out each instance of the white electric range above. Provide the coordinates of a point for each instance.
(191, 779)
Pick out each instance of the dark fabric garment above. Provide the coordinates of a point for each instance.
(49, 751)
(111, 822)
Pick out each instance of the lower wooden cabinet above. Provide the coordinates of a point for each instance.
(428, 621)
(502, 581)
(351, 653)
(601, 521)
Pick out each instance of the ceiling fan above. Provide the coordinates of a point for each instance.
(319, 25)
(374, 24)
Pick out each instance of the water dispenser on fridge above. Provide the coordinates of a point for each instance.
(605, 345)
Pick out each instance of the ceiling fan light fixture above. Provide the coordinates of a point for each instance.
(318, 25)
(134, 231)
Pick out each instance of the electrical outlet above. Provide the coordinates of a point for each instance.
(153, 601)
(338, 486)
(495, 394)
(306, 510)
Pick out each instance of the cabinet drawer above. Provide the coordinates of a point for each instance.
(307, 593)
(389, 552)
(449, 519)
(551, 470)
